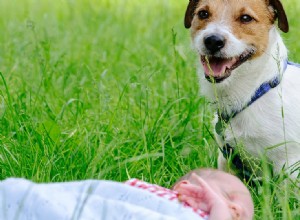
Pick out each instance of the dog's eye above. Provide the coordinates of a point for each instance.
(246, 18)
(203, 14)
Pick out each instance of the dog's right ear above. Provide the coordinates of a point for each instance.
(189, 14)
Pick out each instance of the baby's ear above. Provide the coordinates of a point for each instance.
(236, 211)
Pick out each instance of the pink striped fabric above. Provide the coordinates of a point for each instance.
(163, 192)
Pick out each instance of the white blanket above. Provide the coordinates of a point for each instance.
(91, 199)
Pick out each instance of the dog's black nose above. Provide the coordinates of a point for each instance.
(214, 43)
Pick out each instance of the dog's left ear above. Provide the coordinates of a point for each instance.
(189, 14)
(283, 23)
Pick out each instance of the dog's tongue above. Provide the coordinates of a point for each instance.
(216, 67)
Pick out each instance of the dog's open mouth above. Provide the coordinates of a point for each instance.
(217, 69)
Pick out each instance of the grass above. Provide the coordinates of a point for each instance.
(108, 90)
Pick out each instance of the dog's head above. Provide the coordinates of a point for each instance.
(228, 33)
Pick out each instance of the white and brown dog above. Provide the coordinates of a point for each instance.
(246, 74)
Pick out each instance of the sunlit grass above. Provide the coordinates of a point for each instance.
(108, 90)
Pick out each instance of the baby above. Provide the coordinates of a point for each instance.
(201, 194)
(221, 195)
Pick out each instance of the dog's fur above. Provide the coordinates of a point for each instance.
(272, 120)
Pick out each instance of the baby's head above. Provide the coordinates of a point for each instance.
(222, 187)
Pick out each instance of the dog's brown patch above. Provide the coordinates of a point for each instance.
(256, 32)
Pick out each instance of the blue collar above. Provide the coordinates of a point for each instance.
(263, 89)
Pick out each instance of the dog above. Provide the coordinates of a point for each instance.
(245, 73)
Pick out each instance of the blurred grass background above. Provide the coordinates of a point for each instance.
(108, 90)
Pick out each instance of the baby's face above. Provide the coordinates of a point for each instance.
(221, 195)
(233, 192)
